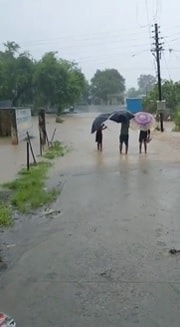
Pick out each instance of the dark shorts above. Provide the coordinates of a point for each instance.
(124, 138)
(143, 136)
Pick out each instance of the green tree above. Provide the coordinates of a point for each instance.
(106, 83)
(85, 98)
(146, 83)
(132, 92)
(170, 93)
(11, 48)
(149, 102)
(58, 82)
(24, 71)
(76, 83)
(16, 73)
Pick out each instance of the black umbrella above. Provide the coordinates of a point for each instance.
(99, 120)
(121, 116)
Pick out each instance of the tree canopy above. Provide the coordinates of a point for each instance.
(170, 93)
(133, 93)
(106, 83)
(15, 73)
(146, 83)
(51, 81)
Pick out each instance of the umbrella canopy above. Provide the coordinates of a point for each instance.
(99, 120)
(121, 116)
(143, 119)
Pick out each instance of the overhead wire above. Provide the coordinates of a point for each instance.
(150, 37)
(99, 43)
(170, 49)
(87, 37)
(167, 68)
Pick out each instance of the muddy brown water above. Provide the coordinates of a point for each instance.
(104, 261)
(75, 133)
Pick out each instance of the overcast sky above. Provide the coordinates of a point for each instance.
(98, 34)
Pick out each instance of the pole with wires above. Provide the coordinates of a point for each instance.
(157, 51)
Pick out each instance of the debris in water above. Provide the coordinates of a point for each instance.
(174, 251)
(10, 245)
(106, 273)
(49, 211)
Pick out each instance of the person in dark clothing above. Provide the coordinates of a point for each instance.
(99, 137)
(144, 137)
(124, 136)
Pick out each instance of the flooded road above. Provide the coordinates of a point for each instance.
(104, 261)
(75, 133)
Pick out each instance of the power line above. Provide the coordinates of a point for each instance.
(108, 56)
(122, 38)
(147, 15)
(167, 66)
(93, 36)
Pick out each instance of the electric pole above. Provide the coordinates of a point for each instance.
(157, 50)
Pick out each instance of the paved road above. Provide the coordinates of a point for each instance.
(105, 260)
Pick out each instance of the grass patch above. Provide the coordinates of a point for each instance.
(5, 215)
(176, 129)
(29, 189)
(176, 119)
(56, 150)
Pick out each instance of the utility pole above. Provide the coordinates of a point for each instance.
(157, 50)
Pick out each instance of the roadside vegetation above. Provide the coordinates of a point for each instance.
(5, 215)
(28, 191)
(56, 150)
(176, 120)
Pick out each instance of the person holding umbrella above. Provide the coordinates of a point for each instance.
(98, 126)
(144, 122)
(122, 117)
(99, 136)
(144, 138)
(124, 136)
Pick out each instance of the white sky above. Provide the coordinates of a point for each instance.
(98, 34)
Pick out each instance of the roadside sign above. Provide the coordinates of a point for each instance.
(161, 105)
(23, 122)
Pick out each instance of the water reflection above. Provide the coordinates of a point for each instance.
(100, 159)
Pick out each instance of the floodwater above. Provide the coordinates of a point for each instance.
(104, 261)
(75, 133)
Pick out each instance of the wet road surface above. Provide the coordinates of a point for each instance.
(104, 261)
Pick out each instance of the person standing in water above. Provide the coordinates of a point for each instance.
(124, 137)
(99, 137)
(144, 138)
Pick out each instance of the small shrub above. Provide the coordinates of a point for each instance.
(176, 120)
(5, 215)
(54, 151)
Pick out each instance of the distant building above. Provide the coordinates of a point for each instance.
(115, 99)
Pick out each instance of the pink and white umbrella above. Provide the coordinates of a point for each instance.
(143, 119)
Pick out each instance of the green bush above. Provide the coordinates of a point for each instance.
(5, 215)
(29, 190)
(176, 120)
